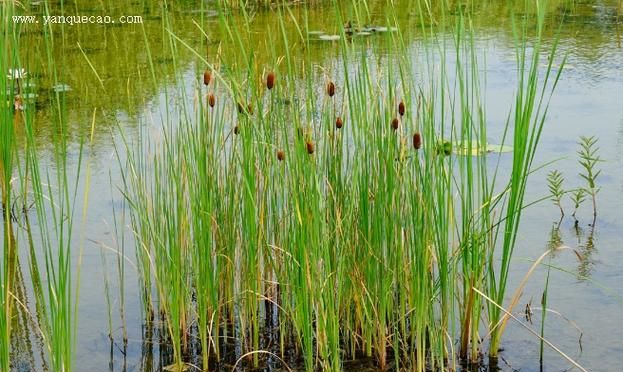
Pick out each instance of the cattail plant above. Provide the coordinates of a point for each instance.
(330, 89)
(281, 155)
(310, 146)
(237, 129)
(339, 123)
(417, 140)
(270, 80)
(401, 108)
(207, 77)
(211, 100)
(395, 123)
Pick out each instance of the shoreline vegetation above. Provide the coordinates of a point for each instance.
(343, 224)
(290, 213)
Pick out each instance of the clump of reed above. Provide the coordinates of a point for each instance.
(359, 249)
(48, 191)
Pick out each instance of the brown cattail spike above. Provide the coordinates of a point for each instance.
(281, 155)
(236, 129)
(270, 80)
(395, 123)
(310, 147)
(211, 100)
(417, 140)
(331, 89)
(401, 108)
(339, 123)
(207, 77)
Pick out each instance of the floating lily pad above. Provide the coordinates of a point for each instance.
(61, 88)
(379, 29)
(476, 150)
(499, 148)
(376, 29)
(329, 37)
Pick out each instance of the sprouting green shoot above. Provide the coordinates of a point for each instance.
(588, 159)
(578, 196)
(554, 182)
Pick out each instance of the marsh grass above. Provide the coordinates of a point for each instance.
(30, 187)
(374, 238)
(9, 188)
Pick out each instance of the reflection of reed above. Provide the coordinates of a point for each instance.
(555, 238)
(124, 351)
(21, 326)
(147, 352)
(10, 254)
(586, 251)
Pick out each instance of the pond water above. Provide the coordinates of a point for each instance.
(108, 72)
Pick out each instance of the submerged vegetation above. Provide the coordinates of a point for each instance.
(284, 210)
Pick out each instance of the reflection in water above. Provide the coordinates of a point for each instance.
(555, 238)
(586, 246)
(584, 241)
(27, 346)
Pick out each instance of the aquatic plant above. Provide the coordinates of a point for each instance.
(588, 160)
(362, 248)
(554, 183)
(330, 89)
(270, 80)
(7, 148)
(578, 196)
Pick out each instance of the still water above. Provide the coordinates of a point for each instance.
(106, 68)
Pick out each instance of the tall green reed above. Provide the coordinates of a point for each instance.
(51, 192)
(528, 119)
(256, 213)
(7, 153)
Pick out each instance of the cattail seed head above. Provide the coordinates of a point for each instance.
(417, 140)
(339, 123)
(270, 80)
(249, 109)
(395, 123)
(207, 77)
(236, 129)
(331, 89)
(310, 147)
(281, 155)
(211, 100)
(401, 108)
